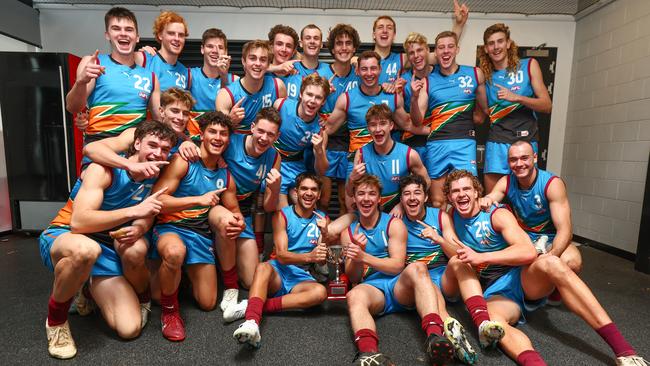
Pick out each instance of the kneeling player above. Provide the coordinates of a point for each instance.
(79, 242)
(495, 244)
(182, 233)
(299, 232)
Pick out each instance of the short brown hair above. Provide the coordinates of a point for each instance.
(368, 179)
(175, 94)
(340, 30)
(215, 118)
(308, 175)
(214, 33)
(310, 26)
(447, 34)
(283, 29)
(459, 174)
(152, 127)
(379, 111)
(165, 18)
(119, 12)
(317, 80)
(374, 24)
(412, 179)
(253, 45)
(365, 55)
(270, 114)
(415, 38)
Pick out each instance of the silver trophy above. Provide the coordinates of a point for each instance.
(336, 288)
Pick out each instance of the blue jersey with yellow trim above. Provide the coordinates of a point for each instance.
(530, 206)
(169, 76)
(198, 180)
(391, 68)
(303, 233)
(340, 139)
(295, 134)
(389, 168)
(510, 121)
(119, 99)
(254, 102)
(358, 104)
(477, 233)
(377, 244)
(451, 103)
(419, 249)
(248, 172)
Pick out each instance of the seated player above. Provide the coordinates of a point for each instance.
(301, 130)
(98, 234)
(540, 203)
(375, 251)
(182, 233)
(300, 233)
(115, 89)
(426, 258)
(385, 158)
(493, 243)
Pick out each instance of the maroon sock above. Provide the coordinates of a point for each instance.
(259, 239)
(614, 338)
(57, 312)
(432, 323)
(145, 296)
(366, 340)
(530, 358)
(477, 308)
(254, 309)
(273, 305)
(169, 303)
(230, 278)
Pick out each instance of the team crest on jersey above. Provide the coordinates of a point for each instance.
(143, 95)
(515, 88)
(538, 204)
(467, 91)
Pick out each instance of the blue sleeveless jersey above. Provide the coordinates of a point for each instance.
(197, 181)
(340, 139)
(358, 104)
(303, 233)
(119, 100)
(510, 122)
(530, 206)
(388, 168)
(295, 134)
(204, 89)
(249, 172)
(419, 249)
(377, 244)
(391, 68)
(477, 233)
(451, 103)
(253, 102)
(407, 137)
(294, 82)
(176, 75)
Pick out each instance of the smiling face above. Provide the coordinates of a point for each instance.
(211, 49)
(264, 134)
(152, 148)
(175, 115)
(522, 159)
(308, 194)
(283, 48)
(311, 41)
(312, 99)
(256, 63)
(384, 32)
(497, 46)
(413, 198)
(343, 48)
(122, 33)
(446, 51)
(369, 71)
(379, 129)
(464, 197)
(417, 55)
(366, 198)
(172, 38)
(215, 139)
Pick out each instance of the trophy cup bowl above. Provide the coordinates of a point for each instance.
(336, 288)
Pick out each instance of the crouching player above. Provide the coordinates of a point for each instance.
(182, 233)
(300, 233)
(98, 233)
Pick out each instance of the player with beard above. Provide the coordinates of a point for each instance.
(182, 233)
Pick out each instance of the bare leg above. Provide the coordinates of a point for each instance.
(490, 180)
(247, 260)
(73, 256)
(172, 252)
(204, 284)
(119, 305)
(133, 258)
(437, 197)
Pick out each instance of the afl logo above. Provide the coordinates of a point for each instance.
(538, 202)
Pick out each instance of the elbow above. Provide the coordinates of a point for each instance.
(529, 256)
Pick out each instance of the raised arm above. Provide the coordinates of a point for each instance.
(417, 167)
(273, 182)
(87, 72)
(338, 115)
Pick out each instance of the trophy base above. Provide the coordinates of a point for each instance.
(336, 290)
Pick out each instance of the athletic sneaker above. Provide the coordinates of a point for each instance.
(145, 309)
(490, 333)
(372, 359)
(540, 244)
(59, 341)
(455, 332)
(248, 332)
(230, 296)
(173, 327)
(82, 304)
(235, 312)
(634, 360)
(439, 350)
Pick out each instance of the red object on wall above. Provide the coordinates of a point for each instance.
(73, 63)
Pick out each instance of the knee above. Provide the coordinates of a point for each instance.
(416, 271)
(129, 331)
(353, 298)
(575, 264)
(264, 269)
(174, 255)
(86, 255)
(134, 256)
(207, 303)
(455, 264)
(320, 294)
(555, 268)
